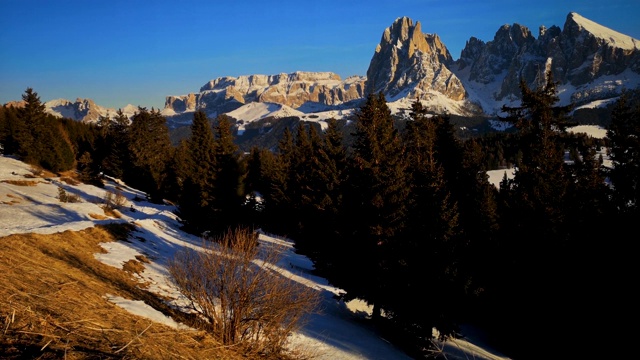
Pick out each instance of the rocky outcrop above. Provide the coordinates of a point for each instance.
(589, 61)
(294, 90)
(85, 110)
(578, 55)
(410, 63)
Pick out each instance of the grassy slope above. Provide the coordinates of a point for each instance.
(53, 305)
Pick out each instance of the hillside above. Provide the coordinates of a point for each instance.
(82, 282)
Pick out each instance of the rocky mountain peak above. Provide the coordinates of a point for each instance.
(408, 62)
(580, 56)
(297, 89)
(590, 62)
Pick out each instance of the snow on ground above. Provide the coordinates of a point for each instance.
(332, 334)
(598, 132)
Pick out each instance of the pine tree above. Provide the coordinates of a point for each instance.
(195, 206)
(377, 191)
(624, 152)
(13, 128)
(258, 183)
(40, 137)
(535, 229)
(329, 177)
(32, 133)
(275, 192)
(228, 192)
(541, 181)
(428, 258)
(149, 149)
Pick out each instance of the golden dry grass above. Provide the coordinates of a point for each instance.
(14, 200)
(114, 213)
(69, 180)
(97, 216)
(53, 305)
(21, 182)
(37, 171)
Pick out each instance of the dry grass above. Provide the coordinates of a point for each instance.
(97, 216)
(53, 306)
(133, 266)
(37, 171)
(114, 213)
(14, 200)
(21, 182)
(70, 180)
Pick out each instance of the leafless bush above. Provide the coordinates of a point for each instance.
(63, 196)
(114, 200)
(241, 296)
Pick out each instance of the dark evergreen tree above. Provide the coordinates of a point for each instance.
(428, 260)
(115, 139)
(375, 198)
(12, 130)
(228, 192)
(41, 139)
(259, 164)
(624, 151)
(196, 203)
(275, 193)
(150, 150)
(534, 226)
(178, 170)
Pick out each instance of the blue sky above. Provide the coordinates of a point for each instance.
(138, 52)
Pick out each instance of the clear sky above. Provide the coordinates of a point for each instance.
(138, 52)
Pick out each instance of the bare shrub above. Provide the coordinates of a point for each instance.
(114, 199)
(243, 299)
(65, 197)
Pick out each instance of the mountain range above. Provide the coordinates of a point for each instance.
(593, 64)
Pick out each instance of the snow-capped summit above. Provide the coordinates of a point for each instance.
(613, 37)
(85, 110)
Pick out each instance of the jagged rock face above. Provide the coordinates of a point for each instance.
(181, 103)
(577, 55)
(583, 46)
(496, 56)
(296, 89)
(586, 59)
(84, 110)
(407, 59)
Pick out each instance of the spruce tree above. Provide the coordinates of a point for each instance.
(41, 139)
(195, 206)
(624, 151)
(115, 134)
(228, 192)
(14, 127)
(275, 192)
(534, 227)
(428, 253)
(149, 149)
(377, 192)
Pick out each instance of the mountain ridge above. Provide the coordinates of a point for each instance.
(591, 63)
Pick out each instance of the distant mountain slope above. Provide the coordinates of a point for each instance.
(592, 63)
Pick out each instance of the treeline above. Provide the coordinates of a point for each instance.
(404, 219)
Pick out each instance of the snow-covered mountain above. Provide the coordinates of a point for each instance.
(591, 63)
(85, 110)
